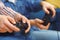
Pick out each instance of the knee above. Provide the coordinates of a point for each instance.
(42, 35)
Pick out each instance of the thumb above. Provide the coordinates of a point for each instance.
(38, 20)
(11, 20)
(29, 26)
(46, 10)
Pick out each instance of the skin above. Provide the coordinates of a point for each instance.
(38, 23)
(49, 6)
(6, 23)
(15, 15)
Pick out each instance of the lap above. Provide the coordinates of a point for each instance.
(34, 34)
(43, 35)
(55, 21)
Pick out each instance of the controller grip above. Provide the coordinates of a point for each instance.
(22, 26)
(47, 18)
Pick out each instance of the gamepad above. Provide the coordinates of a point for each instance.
(47, 18)
(22, 26)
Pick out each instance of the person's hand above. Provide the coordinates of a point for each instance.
(18, 17)
(47, 6)
(39, 23)
(6, 24)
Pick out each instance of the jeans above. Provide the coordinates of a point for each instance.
(55, 22)
(35, 35)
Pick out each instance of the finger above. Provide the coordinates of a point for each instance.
(16, 14)
(42, 26)
(26, 31)
(11, 26)
(53, 11)
(7, 29)
(38, 20)
(2, 29)
(39, 26)
(23, 19)
(46, 10)
(11, 20)
(53, 6)
(47, 25)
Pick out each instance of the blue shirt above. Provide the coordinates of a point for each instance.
(24, 7)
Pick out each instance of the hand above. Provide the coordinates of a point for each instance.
(38, 23)
(47, 6)
(6, 24)
(17, 16)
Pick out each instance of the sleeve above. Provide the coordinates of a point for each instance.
(33, 5)
(4, 10)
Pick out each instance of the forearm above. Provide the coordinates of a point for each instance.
(9, 12)
(32, 22)
(4, 10)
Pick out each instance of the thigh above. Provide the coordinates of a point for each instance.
(58, 14)
(56, 25)
(12, 36)
(43, 35)
(33, 35)
(55, 22)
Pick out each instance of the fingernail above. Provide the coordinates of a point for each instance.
(52, 16)
(14, 22)
(23, 21)
(48, 12)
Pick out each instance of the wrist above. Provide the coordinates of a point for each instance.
(42, 2)
(32, 22)
(18, 17)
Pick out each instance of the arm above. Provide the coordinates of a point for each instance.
(17, 16)
(35, 5)
(38, 23)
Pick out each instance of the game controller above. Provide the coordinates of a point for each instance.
(47, 18)
(22, 26)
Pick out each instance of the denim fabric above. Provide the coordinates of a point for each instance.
(24, 6)
(27, 8)
(55, 22)
(35, 35)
